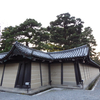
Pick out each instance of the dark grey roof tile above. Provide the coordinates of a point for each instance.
(41, 54)
(32, 52)
(24, 49)
(2, 55)
(71, 53)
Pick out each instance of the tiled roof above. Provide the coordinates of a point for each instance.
(71, 53)
(81, 51)
(31, 52)
(41, 54)
(19, 49)
(23, 49)
(2, 55)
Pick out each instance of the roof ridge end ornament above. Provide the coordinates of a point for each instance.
(16, 42)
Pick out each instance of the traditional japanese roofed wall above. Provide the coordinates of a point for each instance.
(10, 74)
(35, 75)
(88, 73)
(81, 52)
(55, 73)
(69, 74)
(39, 70)
(1, 71)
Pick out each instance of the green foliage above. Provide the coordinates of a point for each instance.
(96, 58)
(88, 38)
(28, 32)
(67, 32)
(7, 39)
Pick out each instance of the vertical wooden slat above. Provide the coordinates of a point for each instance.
(62, 73)
(77, 72)
(49, 71)
(40, 73)
(3, 74)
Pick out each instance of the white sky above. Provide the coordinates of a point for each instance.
(14, 12)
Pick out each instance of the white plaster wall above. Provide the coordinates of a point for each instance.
(55, 73)
(69, 74)
(88, 73)
(44, 69)
(10, 74)
(35, 75)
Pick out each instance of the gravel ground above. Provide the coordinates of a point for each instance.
(61, 94)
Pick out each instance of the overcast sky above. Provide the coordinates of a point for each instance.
(14, 12)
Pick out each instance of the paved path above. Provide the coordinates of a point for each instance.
(63, 94)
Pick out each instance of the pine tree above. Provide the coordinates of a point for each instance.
(67, 32)
(7, 39)
(28, 32)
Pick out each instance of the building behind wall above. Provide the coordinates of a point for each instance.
(56, 69)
